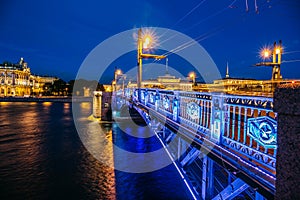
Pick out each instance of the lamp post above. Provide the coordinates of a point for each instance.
(144, 42)
(123, 85)
(117, 73)
(266, 53)
(276, 52)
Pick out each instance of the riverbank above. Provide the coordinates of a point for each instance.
(46, 99)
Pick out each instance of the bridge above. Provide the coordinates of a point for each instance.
(223, 145)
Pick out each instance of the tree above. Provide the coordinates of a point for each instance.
(59, 87)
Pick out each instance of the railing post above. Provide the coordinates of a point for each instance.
(287, 105)
(175, 108)
(156, 99)
(228, 120)
(217, 119)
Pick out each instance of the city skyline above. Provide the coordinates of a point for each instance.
(55, 37)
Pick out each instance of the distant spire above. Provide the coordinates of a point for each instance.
(227, 71)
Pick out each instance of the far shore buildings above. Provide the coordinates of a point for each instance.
(228, 85)
(167, 82)
(17, 80)
(243, 86)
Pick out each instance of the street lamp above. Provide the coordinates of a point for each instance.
(113, 85)
(123, 84)
(275, 64)
(265, 53)
(147, 42)
(276, 61)
(192, 75)
(144, 42)
(118, 72)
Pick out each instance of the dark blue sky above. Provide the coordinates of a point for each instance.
(55, 36)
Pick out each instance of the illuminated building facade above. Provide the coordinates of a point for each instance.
(243, 86)
(167, 82)
(17, 80)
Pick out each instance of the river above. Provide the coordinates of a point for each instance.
(42, 157)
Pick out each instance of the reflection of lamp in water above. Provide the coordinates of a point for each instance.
(47, 103)
(85, 105)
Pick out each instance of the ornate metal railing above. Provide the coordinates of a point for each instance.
(246, 126)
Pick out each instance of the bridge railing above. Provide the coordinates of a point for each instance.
(247, 126)
(250, 129)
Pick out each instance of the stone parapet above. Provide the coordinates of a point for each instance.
(287, 105)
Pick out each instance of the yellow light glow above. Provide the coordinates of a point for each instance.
(47, 103)
(278, 50)
(192, 75)
(265, 53)
(5, 103)
(118, 72)
(146, 43)
(149, 39)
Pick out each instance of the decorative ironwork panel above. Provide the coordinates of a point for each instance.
(166, 102)
(263, 130)
(257, 102)
(193, 110)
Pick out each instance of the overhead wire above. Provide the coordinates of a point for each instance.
(208, 34)
(185, 16)
(201, 37)
(289, 61)
(205, 35)
(203, 20)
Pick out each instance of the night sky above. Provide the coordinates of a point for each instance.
(55, 36)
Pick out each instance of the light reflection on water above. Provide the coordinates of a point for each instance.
(42, 157)
(86, 106)
(47, 103)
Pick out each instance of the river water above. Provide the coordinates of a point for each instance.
(42, 157)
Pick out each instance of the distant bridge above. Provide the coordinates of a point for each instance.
(225, 145)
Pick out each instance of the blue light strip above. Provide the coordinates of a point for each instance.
(252, 113)
(233, 122)
(211, 115)
(207, 114)
(239, 124)
(245, 125)
(174, 163)
(200, 112)
(228, 120)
